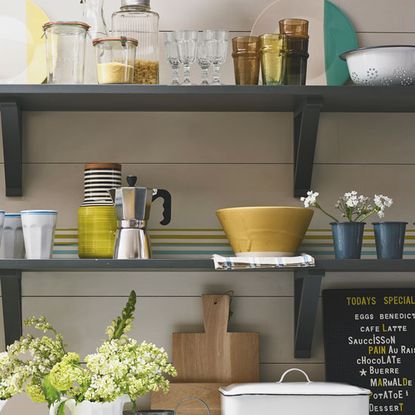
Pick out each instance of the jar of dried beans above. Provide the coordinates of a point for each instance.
(136, 20)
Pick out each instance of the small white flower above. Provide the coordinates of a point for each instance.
(311, 199)
(381, 214)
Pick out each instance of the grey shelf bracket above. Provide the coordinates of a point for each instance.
(11, 289)
(307, 286)
(306, 121)
(11, 123)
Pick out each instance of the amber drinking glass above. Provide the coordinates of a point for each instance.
(246, 59)
(296, 32)
(273, 58)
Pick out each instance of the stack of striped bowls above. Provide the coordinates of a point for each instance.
(99, 178)
(97, 219)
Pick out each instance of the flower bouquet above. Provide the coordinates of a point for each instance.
(121, 370)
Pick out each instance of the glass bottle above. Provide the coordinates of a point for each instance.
(94, 15)
(136, 20)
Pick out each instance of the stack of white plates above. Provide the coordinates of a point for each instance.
(99, 178)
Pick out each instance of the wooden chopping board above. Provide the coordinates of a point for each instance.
(216, 356)
(180, 393)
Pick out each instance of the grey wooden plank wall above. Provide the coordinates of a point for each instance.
(209, 161)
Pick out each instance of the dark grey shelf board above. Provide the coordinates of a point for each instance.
(307, 284)
(306, 102)
(163, 265)
(201, 98)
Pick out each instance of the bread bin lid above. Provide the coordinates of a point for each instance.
(307, 388)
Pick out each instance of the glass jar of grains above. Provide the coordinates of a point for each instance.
(115, 59)
(136, 20)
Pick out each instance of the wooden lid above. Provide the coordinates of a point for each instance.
(93, 166)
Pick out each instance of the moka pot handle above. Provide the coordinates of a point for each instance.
(166, 196)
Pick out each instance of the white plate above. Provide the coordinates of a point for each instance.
(22, 47)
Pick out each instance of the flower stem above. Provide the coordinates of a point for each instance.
(326, 213)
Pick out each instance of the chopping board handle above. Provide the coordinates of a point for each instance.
(216, 313)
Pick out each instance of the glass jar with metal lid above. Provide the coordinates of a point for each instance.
(115, 59)
(65, 51)
(136, 20)
(273, 48)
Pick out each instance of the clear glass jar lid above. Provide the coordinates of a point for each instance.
(122, 39)
(48, 25)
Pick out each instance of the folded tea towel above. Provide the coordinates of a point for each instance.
(232, 263)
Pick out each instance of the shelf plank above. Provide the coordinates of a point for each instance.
(163, 265)
(200, 98)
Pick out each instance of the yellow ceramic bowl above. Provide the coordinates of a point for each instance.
(265, 230)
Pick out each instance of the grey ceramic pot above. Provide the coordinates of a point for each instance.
(348, 239)
(390, 239)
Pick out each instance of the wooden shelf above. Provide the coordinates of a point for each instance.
(306, 102)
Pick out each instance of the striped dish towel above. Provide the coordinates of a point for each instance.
(232, 263)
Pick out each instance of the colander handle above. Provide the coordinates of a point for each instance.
(294, 370)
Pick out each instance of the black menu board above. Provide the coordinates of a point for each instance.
(369, 338)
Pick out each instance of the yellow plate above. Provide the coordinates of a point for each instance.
(22, 46)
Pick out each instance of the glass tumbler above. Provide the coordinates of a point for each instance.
(65, 51)
(115, 59)
(246, 59)
(296, 31)
(273, 58)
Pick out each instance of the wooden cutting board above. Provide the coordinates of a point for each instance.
(216, 355)
(180, 394)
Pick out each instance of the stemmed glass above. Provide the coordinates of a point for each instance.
(203, 57)
(187, 47)
(172, 53)
(218, 52)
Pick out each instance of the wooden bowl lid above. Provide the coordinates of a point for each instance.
(93, 166)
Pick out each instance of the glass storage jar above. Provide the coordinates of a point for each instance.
(115, 59)
(136, 20)
(65, 51)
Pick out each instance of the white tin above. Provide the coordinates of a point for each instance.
(294, 398)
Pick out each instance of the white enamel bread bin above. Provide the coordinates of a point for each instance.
(294, 398)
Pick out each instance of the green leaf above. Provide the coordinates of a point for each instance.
(52, 395)
(122, 324)
(61, 408)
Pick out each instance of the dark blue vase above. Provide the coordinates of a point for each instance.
(348, 239)
(390, 239)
